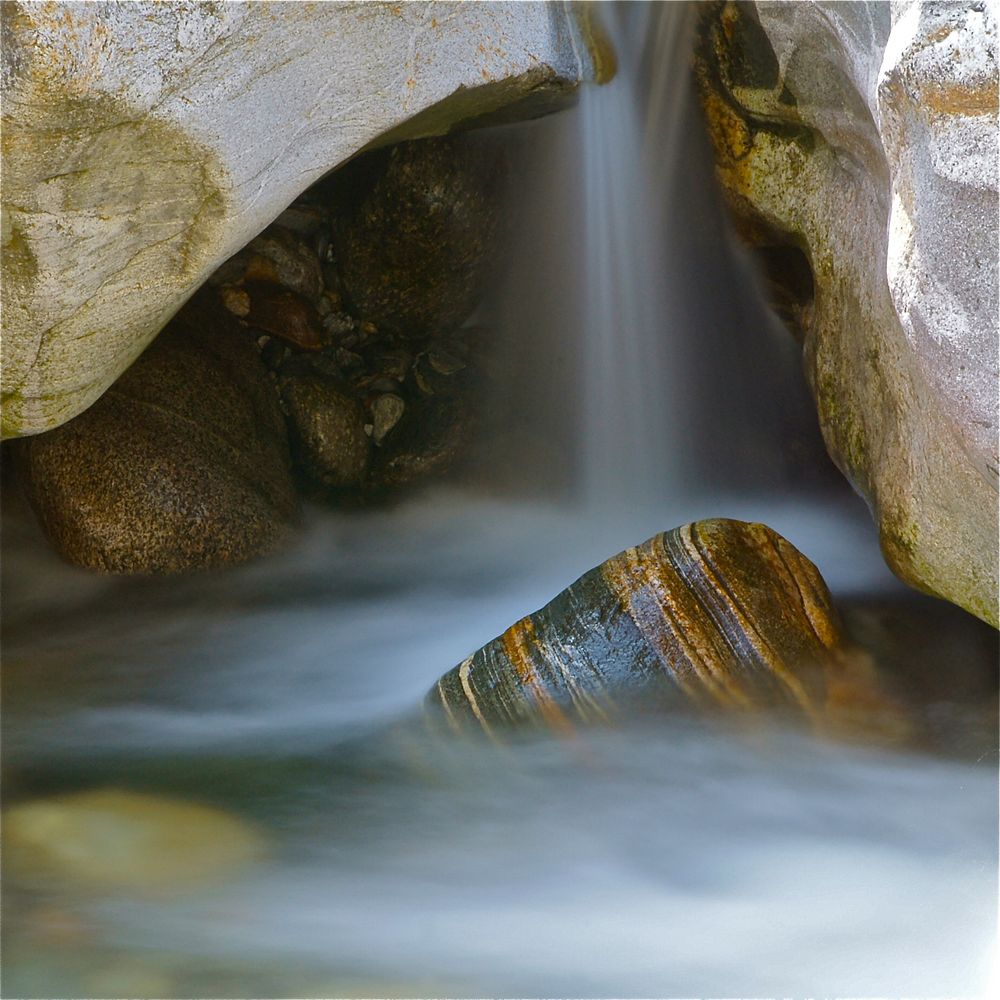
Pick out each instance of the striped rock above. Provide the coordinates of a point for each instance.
(718, 614)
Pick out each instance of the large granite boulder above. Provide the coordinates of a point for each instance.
(145, 143)
(857, 145)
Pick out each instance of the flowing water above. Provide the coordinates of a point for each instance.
(656, 860)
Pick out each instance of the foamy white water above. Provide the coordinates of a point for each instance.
(659, 860)
(662, 860)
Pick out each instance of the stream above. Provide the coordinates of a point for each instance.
(666, 857)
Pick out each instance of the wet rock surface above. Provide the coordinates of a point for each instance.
(357, 298)
(271, 372)
(183, 464)
(135, 169)
(937, 662)
(114, 839)
(328, 422)
(716, 616)
(413, 230)
(851, 141)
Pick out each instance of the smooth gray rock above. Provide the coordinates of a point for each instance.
(864, 137)
(145, 143)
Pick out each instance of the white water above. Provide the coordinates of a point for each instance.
(628, 287)
(653, 861)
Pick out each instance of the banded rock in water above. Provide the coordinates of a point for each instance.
(718, 614)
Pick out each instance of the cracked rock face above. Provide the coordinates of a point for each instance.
(132, 171)
(860, 140)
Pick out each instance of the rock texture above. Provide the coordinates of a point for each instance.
(145, 143)
(182, 464)
(328, 425)
(857, 144)
(716, 615)
(411, 250)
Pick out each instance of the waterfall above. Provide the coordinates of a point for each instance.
(644, 364)
(630, 453)
(644, 386)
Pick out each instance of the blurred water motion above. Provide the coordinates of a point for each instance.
(662, 859)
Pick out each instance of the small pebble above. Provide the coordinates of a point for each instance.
(285, 314)
(236, 300)
(338, 324)
(423, 383)
(387, 411)
(444, 363)
(394, 363)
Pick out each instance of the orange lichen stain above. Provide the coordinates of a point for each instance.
(599, 47)
(939, 34)
(954, 99)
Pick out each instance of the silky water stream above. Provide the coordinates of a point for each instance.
(653, 860)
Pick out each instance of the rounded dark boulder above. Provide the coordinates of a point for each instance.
(182, 465)
(413, 227)
(328, 429)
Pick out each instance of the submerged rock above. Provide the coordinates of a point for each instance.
(435, 439)
(411, 252)
(183, 464)
(715, 615)
(113, 839)
(856, 143)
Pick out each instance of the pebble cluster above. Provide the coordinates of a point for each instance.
(356, 297)
(332, 358)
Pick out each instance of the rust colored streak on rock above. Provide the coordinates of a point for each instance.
(520, 645)
(284, 314)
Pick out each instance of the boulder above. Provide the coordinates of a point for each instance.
(328, 429)
(857, 146)
(411, 249)
(182, 464)
(715, 616)
(146, 143)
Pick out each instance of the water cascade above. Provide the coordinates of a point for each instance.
(663, 860)
(628, 426)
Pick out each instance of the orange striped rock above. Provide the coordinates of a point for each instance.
(715, 615)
